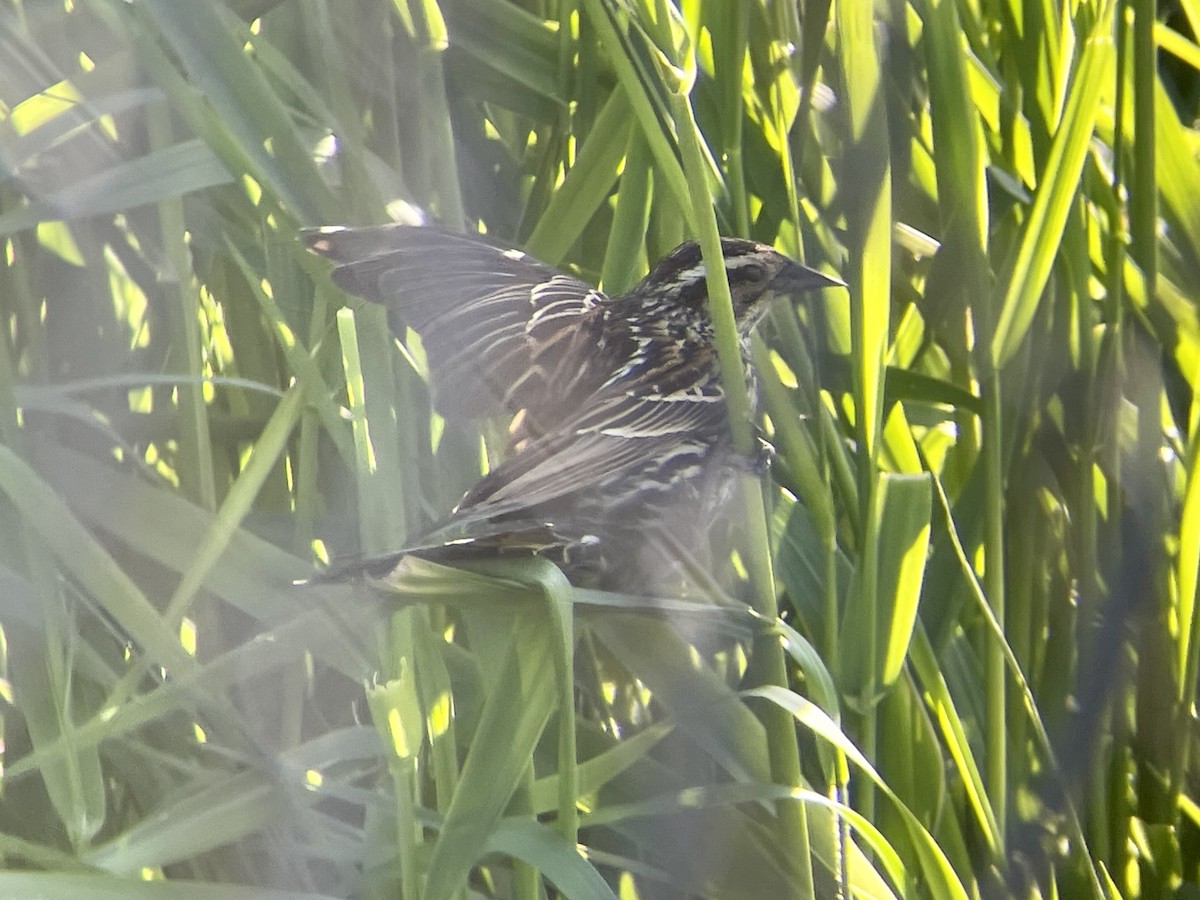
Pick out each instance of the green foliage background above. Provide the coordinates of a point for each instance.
(962, 656)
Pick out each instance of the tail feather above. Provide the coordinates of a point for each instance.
(501, 538)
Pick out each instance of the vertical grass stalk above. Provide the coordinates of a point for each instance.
(994, 674)
(781, 733)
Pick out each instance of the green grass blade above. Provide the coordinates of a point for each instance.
(1056, 192)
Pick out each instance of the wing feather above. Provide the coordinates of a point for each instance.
(621, 442)
(479, 308)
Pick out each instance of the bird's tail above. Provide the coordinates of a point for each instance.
(450, 545)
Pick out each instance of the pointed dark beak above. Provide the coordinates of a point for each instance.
(795, 278)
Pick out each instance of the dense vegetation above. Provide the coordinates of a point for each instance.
(957, 654)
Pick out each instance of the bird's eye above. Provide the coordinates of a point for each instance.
(754, 273)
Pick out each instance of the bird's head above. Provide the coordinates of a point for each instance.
(756, 274)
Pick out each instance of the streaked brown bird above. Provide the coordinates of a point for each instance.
(622, 435)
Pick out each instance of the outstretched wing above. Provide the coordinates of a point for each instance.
(490, 318)
(624, 452)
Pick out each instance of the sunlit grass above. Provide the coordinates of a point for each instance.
(980, 536)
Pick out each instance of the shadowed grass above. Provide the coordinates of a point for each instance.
(955, 647)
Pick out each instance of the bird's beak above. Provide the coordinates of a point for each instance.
(794, 278)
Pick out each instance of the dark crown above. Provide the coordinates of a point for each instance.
(755, 272)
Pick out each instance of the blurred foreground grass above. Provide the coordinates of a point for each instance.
(982, 531)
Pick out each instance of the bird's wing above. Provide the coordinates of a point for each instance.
(480, 309)
(623, 448)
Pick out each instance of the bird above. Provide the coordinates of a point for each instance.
(620, 434)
